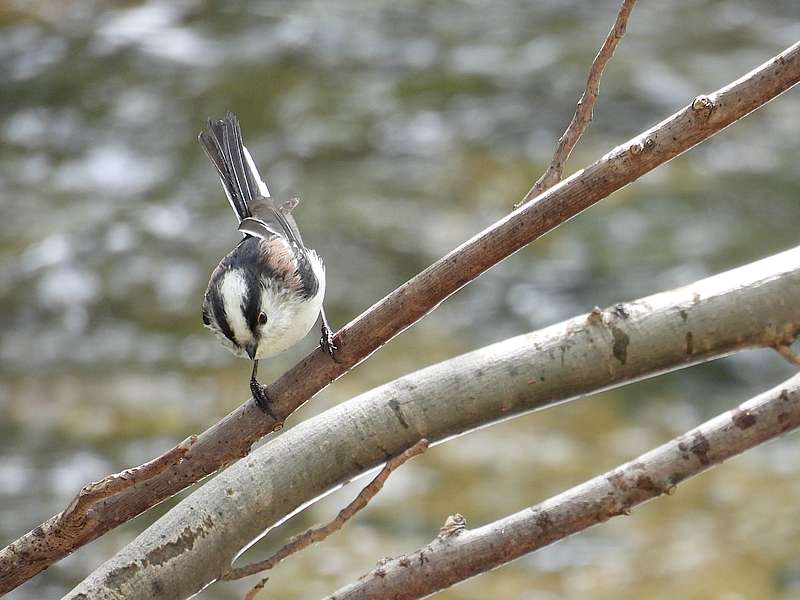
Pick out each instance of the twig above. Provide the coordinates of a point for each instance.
(232, 437)
(465, 553)
(786, 352)
(77, 511)
(583, 112)
(251, 595)
(319, 533)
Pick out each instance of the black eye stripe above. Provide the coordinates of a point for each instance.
(222, 319)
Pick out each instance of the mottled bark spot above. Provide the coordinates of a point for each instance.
(621, 311)
(683, 448)
(543, 521)
(743, 419)
(676, 478)
(700, 448)
(620, 344)
(617, 480)
(169, 550)
(644, 483)
(119, 576)
(395, 406)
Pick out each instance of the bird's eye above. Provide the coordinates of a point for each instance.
(262, 318)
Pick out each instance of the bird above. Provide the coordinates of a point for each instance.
(266, 294)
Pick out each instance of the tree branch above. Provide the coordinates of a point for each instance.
(77, 513)
(785, 350)
(231, 438)
(752, 306)
(583, 113)
(464, 553)
(319, 533)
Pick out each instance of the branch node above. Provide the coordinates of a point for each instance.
(595, 317)
(453, 525)
(703, 104)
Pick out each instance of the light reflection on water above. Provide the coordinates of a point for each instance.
(405, 129)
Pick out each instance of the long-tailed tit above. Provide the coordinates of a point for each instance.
(266, 294)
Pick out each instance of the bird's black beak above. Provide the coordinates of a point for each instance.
(251, 350)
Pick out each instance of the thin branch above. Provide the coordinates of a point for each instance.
(785, 350)
(464, 553)
(583, 112)
(232, 437)
(251, 595)
(319, 533)
(76, 514)
(756, 305)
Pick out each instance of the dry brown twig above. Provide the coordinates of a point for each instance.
(232, 437)
(251, 595)
(320, 532)
(77, 512)
(785, 350)
(583, 112)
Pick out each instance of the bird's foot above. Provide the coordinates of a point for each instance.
(262, 400)
(326, 342)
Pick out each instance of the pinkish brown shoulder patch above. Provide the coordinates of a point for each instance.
(278, 255)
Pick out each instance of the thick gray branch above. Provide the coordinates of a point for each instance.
(232, 437)
(463, 553)
(755, 305)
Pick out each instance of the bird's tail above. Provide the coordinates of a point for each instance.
(222, 141)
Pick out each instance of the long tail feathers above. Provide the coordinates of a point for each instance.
(222, 142)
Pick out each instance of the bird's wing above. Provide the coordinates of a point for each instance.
(258, 228)
(278, 218)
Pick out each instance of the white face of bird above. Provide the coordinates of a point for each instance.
(258, 317)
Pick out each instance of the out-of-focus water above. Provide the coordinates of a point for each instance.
(405, 128)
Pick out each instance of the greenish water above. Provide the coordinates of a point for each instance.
(405, 128)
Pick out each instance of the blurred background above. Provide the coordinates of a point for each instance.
(405, 128)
